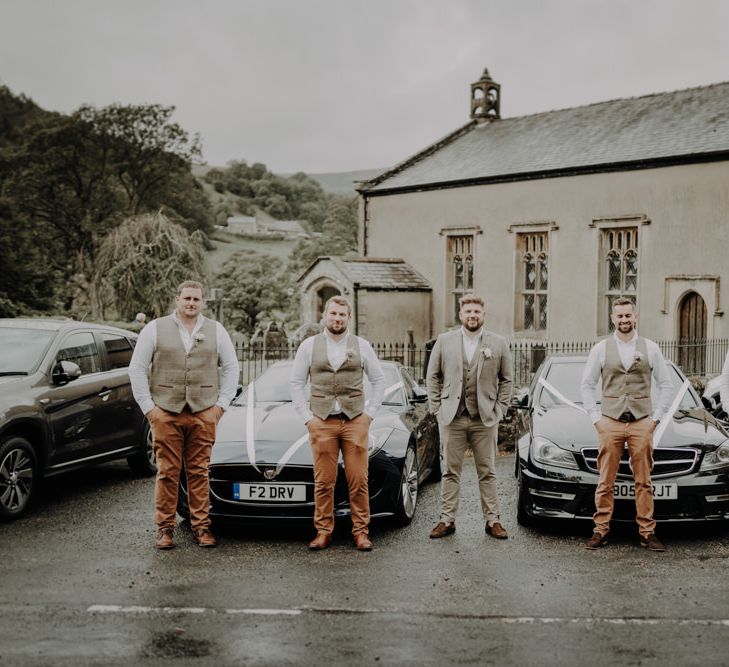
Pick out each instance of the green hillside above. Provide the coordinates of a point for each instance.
(227, 244)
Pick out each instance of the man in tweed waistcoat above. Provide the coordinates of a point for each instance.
(183, 372)
(625, 361)
(337, 417)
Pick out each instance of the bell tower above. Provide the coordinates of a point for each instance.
(485, 98)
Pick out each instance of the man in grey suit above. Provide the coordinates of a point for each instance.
(469, 389)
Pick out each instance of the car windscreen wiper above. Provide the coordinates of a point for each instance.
(391, 403)
(13, 372)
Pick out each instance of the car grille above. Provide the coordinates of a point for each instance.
(675, 461)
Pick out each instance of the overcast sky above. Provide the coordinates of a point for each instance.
(336, 85)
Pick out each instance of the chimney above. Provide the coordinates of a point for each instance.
(485, 98)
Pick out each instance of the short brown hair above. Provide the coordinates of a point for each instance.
(192, 284)
(623, 301)
(339, 300)
(470, 298)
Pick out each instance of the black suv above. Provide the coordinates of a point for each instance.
(65, 403)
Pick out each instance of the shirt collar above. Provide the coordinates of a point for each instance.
(336, 342)
(632, 339)
(198, 323)
(468, 336)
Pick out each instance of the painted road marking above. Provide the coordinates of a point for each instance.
(511, 620)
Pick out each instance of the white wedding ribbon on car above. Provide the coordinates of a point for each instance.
(250, 431)
(660, 430)
(658, 433)
(250, 426)
(560, 396)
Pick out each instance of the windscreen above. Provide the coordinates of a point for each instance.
(272, 386)
(566, 378)
(21, 350)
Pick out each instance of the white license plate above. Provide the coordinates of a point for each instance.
(270, 492)
(625, 490)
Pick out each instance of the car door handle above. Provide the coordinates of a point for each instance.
(104, 395)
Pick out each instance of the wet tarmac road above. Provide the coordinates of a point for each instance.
(81, 584)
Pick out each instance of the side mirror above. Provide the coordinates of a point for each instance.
(521, 400)
(419, 395)
(65, 372)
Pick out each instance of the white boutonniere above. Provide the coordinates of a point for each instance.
(487, 353)
(198, 338)
(637, 356)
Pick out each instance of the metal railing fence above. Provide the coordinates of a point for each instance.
(696, 357)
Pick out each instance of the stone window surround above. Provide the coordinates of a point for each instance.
(457, 230)
(604, 223)
(532, 226)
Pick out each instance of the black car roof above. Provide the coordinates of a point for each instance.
(56, 324)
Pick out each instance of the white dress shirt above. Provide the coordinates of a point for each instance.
(336, 353)
(626, 349)
(139, 366)
(471, 342)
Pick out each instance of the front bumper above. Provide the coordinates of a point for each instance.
(701, 497)
(384, 485)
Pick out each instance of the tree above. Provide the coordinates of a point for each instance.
(149, 151)
(143, 260)
(255, 287)
(339, 236)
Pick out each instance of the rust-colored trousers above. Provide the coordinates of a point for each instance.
(327, 437)
(182, 437)
(639, 437)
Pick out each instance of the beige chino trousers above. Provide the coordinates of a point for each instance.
(461, 432)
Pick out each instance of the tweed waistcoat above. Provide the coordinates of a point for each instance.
(179, 378)
(345, 385)
(469, 396)
(626, 390)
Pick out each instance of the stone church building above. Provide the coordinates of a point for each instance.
(553, 215)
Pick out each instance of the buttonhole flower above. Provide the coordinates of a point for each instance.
(487, 353)
(198, 338)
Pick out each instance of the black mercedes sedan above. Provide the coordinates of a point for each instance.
(261, 466)
(556, 462)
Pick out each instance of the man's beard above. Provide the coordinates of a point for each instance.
(336, 328)
(626, 327)
(473, 327)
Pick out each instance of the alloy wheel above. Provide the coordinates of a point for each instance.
(16, 480)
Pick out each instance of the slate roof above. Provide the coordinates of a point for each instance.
(691, 124)
(377, 273)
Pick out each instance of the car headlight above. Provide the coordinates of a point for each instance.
(545, 451)
(719, 458)
(377, 438)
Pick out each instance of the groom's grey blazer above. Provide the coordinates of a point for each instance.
(444, 377)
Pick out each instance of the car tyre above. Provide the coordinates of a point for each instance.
(144, 462)
(407, 497)
(18, 476)
(523, 518)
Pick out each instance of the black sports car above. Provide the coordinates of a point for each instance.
(261, 466)
(556, 462)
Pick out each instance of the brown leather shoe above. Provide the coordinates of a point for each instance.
(164, 539)
(442, 529)
(596, 541)
(321, 541)
(362, 542)
(652, 543)
(497, 530)
(203, 538)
